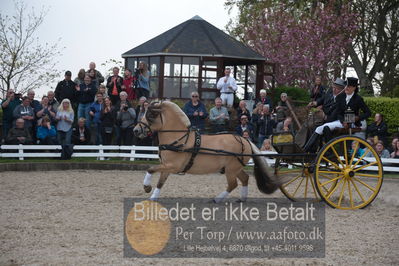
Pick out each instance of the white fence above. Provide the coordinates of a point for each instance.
(131, 152)
(100, 152)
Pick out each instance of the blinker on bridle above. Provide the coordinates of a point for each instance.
(150, 117)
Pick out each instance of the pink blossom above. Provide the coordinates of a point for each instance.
(305, 46)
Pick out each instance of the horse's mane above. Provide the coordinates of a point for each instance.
(178, 111)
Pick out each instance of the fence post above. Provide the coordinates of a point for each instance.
(21, 152)
(101, 150)
(133, 152)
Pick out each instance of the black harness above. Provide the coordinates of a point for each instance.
(176, 147)
(196, 149)
(179, 148)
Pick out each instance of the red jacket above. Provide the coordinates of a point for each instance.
(131, 95)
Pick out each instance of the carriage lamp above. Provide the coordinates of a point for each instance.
(349, 116)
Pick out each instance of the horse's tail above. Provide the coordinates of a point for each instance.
(266, 181)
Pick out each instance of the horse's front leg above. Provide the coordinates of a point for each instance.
(151, 171)
(161, 181)
(231, 185)
(147, 182)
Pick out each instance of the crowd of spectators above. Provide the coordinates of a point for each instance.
(94, 110)
(82, 111)
(256, 126)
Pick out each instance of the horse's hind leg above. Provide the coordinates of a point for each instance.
(244, 181)
(231, 185)
(161, 181)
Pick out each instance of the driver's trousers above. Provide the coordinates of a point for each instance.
(332, 125)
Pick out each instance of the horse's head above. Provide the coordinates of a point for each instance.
(151, 120)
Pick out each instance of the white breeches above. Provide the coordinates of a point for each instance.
(332, 125)
(227, 99)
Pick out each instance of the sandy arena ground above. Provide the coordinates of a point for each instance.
(76, 218)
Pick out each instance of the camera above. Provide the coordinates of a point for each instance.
(136, 77)
(125, 107)
(136, 72)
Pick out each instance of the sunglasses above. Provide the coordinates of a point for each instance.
(194, 96)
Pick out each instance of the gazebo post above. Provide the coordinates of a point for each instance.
(220, 67)
(246, 82)
(260, 68)
(161, 76)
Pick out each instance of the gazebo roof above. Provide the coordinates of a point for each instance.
(194, 37)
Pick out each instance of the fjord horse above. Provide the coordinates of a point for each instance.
(175, 136)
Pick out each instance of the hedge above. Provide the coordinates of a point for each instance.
(299, 95)
(388, 107)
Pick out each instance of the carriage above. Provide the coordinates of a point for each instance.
(345, 172)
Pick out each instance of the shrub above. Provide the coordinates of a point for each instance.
(299, 96)
(389, 107)
(180, 102)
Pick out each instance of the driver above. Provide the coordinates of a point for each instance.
(349, 99)
(329, 100)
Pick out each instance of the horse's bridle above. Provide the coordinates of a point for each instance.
(148, 126)
(145, 126)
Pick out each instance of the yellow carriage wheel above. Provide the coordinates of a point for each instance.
(355, 168)
(301, 186)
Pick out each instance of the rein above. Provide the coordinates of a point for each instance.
(197, 149)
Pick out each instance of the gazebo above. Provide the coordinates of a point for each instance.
(192, 56)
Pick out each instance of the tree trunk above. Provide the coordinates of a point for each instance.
(365, 82)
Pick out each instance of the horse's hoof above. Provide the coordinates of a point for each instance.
(240, 200)
(222, 171)
(147, 189)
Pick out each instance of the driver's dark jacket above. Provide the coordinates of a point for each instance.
(329, 104)
(356, 104)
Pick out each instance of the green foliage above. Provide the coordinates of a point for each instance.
(395, 91)
(365, 93)
(386, 106)
(109, 65)
(179, 102)
(299, 96)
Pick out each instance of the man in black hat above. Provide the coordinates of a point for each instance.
(349, 99)
(66, 89)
